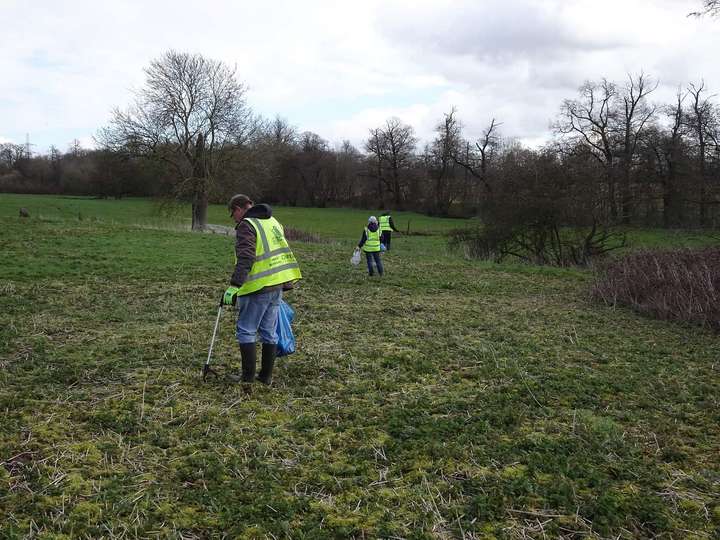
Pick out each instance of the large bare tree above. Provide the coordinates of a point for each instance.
(189, 114)
(589, 121)
(609, 122)
(632, 124)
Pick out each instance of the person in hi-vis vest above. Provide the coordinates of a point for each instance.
(264, 266)
(387, 226)
(370, 244)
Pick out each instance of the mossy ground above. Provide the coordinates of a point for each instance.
(449, 399)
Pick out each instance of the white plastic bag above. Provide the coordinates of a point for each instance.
(355, 259)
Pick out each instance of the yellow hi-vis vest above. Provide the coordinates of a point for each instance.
(274, 262)
(372, 242)
(385, 224)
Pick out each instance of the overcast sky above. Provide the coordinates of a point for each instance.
(339, 68)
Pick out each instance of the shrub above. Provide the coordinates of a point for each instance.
(298, 235)
(542, 212)
(680, 285)
(538, 243)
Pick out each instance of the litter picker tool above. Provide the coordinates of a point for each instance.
(206, 368)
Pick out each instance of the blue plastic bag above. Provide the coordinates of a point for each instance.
(286, 339)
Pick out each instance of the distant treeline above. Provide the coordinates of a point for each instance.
(615, 157)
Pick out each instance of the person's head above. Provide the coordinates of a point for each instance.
(238, 205)
(372, 219)
(386, 213)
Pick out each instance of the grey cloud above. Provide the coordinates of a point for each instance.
(491, 31)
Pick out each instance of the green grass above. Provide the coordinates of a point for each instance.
(331, 222)
(450, 399)
(343, 223)
(52, 208)
(664, 239)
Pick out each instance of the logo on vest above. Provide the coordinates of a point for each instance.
(277, 233)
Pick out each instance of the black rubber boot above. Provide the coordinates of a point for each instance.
(247, 352)
(269, 351)
(247, 356)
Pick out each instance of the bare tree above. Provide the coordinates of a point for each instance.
(633, 120)
(190, 112)
(312, 171)
(375, 147)
(280, 132)
(267, 158)
(347, 166)
(441, 163)
(476, 162)
(392, 148)
(709, 7)
(589, 121)
(10, 154)
(702, 121)
(75, 149)
(672, 155)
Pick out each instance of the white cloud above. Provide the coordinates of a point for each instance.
(356, 127)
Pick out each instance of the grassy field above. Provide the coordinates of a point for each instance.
(330, 222)
(450, 399)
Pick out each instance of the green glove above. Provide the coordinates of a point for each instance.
(230, 296)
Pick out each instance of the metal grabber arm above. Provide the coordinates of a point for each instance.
(206, 368)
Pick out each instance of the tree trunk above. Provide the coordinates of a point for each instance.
(611, 196)
(626, 197)
(379, 181)
(200, 205)
(200, 183)
(703, 182)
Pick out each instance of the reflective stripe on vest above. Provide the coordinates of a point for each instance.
(274, 261)
(385, 224)
(372, 242)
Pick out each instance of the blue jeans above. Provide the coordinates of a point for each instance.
(258, 313)
(374, 255)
